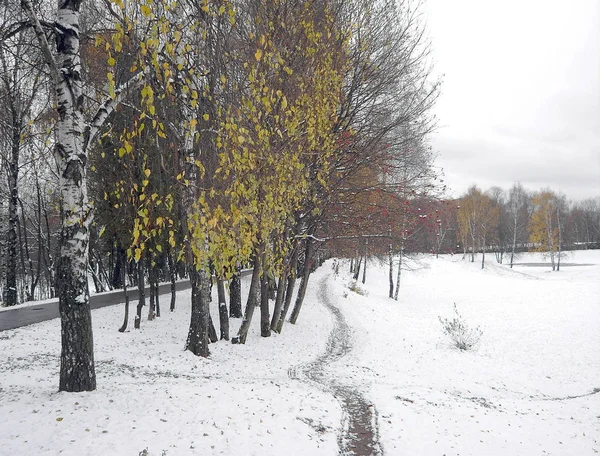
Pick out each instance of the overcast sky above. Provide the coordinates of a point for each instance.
(521, 93)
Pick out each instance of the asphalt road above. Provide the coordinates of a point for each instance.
(23, 316)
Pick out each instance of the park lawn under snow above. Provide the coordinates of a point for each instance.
(523, 391)
(152, 394)
(513, 395)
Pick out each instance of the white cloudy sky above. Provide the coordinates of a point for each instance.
(521, 93)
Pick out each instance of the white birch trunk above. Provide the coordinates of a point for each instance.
(77, 352)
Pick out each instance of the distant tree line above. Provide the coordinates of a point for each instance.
(389, 224)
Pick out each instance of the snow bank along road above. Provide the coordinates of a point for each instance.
(19, 316)
(359, 435)
(47, 310)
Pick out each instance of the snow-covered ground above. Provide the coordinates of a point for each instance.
(515, 394)
(525, 390)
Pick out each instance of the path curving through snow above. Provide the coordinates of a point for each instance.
(360, 430)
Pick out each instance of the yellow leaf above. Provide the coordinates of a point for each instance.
(258, 54)
(59, 418)
(111, 61)
(206, 117)
(159, 248)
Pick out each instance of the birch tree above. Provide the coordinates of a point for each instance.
(517, 202)
(73, 138)
(544, 231)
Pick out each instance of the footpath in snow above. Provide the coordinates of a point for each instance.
(359, 372)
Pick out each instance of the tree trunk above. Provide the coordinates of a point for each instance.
(483, 252)
(212, 332)
(250, 304)
(399, 272)
(10, 298)
(197, 339)
(559, 247)
(391, 264)
(223, 314)
(235, 296)
(172, 275)
(22, 241)
(357, 270)
(29, 272)
(124, 273)
(308, 254)
(77, 371)
(117, 275)
(281, 285)
(514, 243)
(49, 258)
(364, 277)
(289, 291)
(141, 294)
(265, 329)
(156, 295)
(152, 306)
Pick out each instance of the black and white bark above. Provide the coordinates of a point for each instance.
(223, 314)
(73, 137)
(77, 371)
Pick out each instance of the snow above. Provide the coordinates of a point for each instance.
(540, 345)
(525, 390)
(152, 394)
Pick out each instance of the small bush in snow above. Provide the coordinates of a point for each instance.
(460, 334)
(355, 287)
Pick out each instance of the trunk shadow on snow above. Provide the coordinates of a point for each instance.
(360, 430)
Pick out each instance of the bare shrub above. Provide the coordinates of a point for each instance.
(356, 288)
(460, 334)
